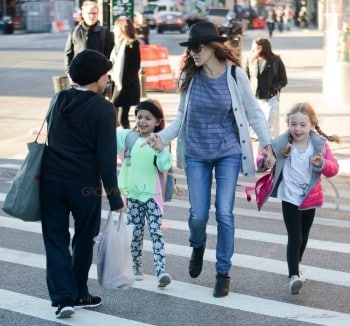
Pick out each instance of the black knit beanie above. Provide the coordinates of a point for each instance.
(88, 66)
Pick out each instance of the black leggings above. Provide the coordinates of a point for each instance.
(298, 224)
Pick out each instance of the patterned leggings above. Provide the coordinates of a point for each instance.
(137, 213)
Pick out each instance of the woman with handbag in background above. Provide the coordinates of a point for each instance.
(81, 152)
(267, 75)
(126, 59)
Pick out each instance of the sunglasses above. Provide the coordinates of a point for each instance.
(195, 48)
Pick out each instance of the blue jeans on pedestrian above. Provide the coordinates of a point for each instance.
(199, 174)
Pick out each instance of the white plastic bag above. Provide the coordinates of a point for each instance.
(114, 262)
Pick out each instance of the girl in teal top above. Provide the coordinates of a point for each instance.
(140, 183)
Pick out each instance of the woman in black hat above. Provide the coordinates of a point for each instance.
(212, 125)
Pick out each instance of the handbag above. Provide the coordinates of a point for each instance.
(262, 188)
(169, 185)
(114, 262)
(23, 198)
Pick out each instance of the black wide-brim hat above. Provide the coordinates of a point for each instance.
(203, 32)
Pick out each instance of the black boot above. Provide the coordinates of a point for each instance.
(222, 286)
(196, 261)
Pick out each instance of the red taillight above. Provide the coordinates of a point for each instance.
(179, 21)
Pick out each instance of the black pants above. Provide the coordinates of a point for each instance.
(67, 271)
(124, 118)
(298, 224)
(270, 27)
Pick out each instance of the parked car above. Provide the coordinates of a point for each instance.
(154, 8)
(77, 16)
(6, 25)
(170, 21)
(217, 16)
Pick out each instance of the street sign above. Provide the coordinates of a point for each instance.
(122, 8)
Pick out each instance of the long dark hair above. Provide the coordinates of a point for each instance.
(266, 49)
(223, 53)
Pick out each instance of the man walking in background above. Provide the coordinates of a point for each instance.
(88, 34)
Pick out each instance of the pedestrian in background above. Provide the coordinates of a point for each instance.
(140, 181)
(270, 18)
(267, 75)
(212, 127)
(288, 17)
(142, 27)
(81, 152)
(280, 18)
(88, 34)
(126, 59)
(302, 156)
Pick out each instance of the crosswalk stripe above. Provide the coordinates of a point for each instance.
(32, 306)
(267, 214)
(203, 294)
(211, 229)
(245, 261)
(253, 213)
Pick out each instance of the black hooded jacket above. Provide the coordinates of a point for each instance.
(82, 144)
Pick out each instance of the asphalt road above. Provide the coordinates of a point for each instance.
(259, 287)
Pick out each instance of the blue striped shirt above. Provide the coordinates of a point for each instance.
(211, 128)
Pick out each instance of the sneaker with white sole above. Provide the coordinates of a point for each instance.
(295, 284)
(302, 274)
(88, 301)
(164, 279)
(138, 274)
(64, 311)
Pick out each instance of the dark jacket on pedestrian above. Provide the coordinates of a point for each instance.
(81, 146)
(270, 79)
(83, 37)
(130, 92)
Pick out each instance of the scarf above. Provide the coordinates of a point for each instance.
(118, 58)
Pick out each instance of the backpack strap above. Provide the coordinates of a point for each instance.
(233, 72)
(130, 141)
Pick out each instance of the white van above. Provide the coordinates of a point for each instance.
(154, 7)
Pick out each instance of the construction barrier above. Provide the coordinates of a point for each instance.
(17, 23)
(155, 61)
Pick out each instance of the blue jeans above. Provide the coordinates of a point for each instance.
(199, 174)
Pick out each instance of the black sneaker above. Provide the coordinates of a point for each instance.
(64, 311)
(89, 301)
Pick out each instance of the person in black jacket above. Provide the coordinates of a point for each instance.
(88, 34)
(267, 75)
(81, 152)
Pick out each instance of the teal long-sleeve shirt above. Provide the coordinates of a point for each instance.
(140, 180)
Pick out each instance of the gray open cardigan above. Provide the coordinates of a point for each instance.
(246, 111)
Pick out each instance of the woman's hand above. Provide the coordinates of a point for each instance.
(154, 141)
(269, 157)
